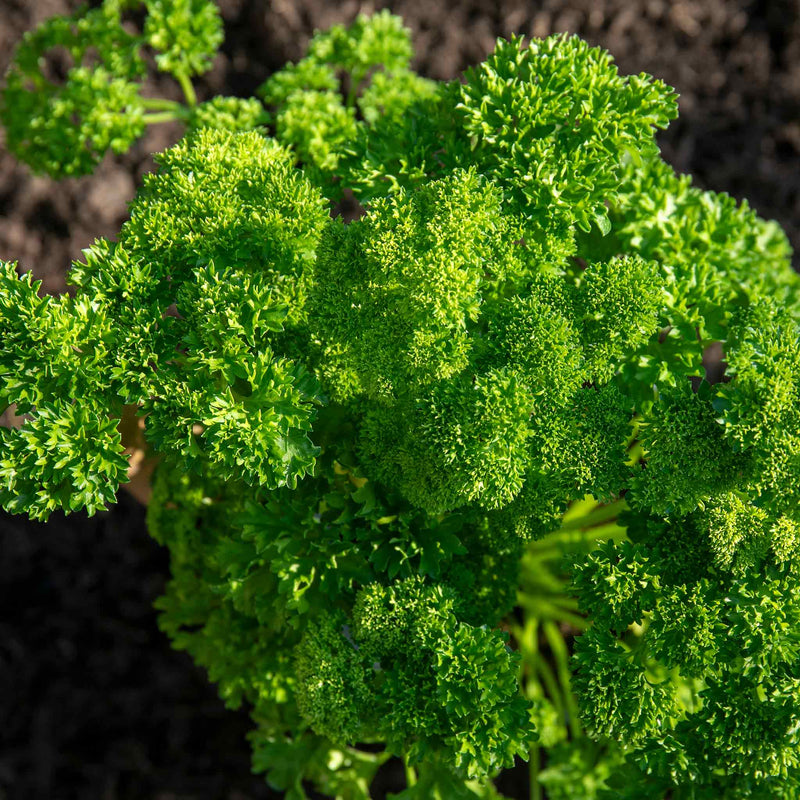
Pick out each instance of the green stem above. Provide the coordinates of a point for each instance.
(188, 89)
(545, 602)
(355, 82)
(160, 116)
(556, 548)
(634, 454)
(559, 649)
(551, 685)
(595, 517)
(571, 536)
(534, 765)
(538, 573)
(545, 610)
(577, 508)
(160, 104)
(526, 638)
(368, 758)
(566, 602)
(411, 774)
(529, 644)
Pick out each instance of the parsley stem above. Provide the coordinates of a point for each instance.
(543, 609)
(371, 758)
(188, 89)
(572, 540)
(160, 116)
(534, 765)
(553, 687)
(558, 647)
(601, 513)
(411, 774)
(160, 104)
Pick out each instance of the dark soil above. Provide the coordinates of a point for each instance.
(93, 702)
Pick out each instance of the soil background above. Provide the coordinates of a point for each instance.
(93, 702)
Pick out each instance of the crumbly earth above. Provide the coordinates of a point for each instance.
(94, 702)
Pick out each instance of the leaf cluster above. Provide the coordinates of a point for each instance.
(73, 91)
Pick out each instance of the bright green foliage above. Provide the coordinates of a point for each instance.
(552, 122)
(251, 220)
(308, 75)
(399, 287)
(621, 298)
(622, 567)
(687, 457)
(371, 58)
(379, 41)
(68, 456)
(408, 670)
(764, 354)
(713, 710)
(317, 125)
(126, 291)
(379, 436)
(711, 248)
(67, 334)
(64, 125)
(236, 201)
(214, 380)
(333, 681)
(464, 442)
(620, 700)
(736, 533)
(389, 94)
(184, 33)
(591, 449)
(761, 406)
(542, 342)
(352, 674)
(62, 119)
(415, 141)
(229, 114)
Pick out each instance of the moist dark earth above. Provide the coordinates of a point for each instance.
(94, 703)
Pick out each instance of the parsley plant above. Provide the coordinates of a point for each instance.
(445, 481)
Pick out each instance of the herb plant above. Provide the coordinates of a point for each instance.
(445, 481)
